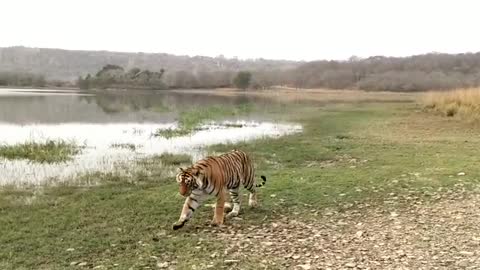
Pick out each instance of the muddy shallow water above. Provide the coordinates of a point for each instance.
(101, 120)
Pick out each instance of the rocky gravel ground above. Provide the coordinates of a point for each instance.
(442, 232)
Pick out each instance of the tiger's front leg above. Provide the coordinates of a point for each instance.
(219, 208)
(191, 204)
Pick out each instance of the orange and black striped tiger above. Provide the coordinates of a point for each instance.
(214, 175)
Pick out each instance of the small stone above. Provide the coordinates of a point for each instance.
(70, 249)
(296, 257)
(304, 266)
(231, 261)
(273, 195)
(82, 264)
(394, 214)
(467, 253)
(359, 234)
(461, 174)
(73, 263)
(350, 265)
(162, 264)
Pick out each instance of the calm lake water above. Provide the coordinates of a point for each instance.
(100, 120)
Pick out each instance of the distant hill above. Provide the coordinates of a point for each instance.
(21, 66)
(69, 64)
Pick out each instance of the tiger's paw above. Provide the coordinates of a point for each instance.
(178, 225)
(216, 223)
(231, 214)
(253, 203)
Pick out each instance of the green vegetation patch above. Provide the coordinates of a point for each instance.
(190, 120)
(45, 152)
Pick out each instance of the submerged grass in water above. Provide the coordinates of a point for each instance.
(171, 133)
(45, 152)
(129, 146)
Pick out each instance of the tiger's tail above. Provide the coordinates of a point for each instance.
(264, 180)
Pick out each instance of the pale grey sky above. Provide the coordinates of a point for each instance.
(297, 29)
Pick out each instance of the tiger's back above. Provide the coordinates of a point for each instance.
(229, 170)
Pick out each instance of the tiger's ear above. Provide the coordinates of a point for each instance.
(180, 169)
(195, 172)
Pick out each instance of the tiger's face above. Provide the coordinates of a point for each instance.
(187, 181)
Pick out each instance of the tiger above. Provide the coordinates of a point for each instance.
(215, 175)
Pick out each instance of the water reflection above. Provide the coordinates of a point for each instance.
(108, 107)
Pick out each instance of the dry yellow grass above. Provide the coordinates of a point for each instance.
(464, 103)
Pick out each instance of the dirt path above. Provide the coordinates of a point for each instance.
(441, 234)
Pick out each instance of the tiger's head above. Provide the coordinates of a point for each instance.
(187, 179)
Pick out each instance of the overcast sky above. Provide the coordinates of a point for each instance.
(296, 30)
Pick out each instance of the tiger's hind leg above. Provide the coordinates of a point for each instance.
(228, 203)
(252, 198)
(236, 202)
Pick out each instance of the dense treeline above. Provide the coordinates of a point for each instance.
(113, 76)
(24, 79)
(21, 79)
(415, 73)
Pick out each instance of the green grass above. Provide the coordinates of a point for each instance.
(347, 154)
(169, 159)
(45, 152)
(191, 119)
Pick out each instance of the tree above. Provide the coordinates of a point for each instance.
(242, 80)
(84, 84)
(39, 81)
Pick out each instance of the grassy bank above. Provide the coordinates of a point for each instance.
(45, 152)
(370, 153)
